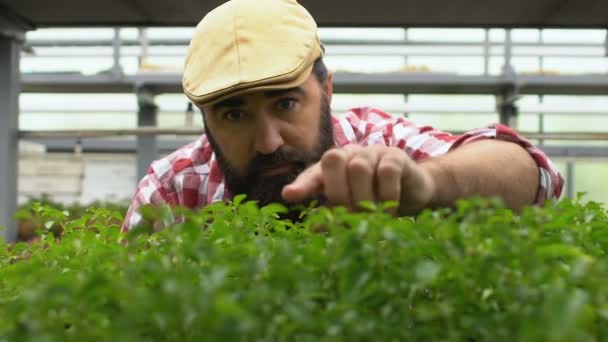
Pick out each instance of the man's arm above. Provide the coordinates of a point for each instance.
(483, 168)
(420, 166)
(346, 176)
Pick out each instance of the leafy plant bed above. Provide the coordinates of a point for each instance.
(29, 219)
(235, 272)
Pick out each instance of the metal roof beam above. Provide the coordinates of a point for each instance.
(166, 145)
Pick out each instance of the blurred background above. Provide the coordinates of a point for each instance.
(71, 167)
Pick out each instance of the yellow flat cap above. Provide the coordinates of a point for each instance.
(250, 45)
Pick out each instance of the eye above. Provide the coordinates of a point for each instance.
(234, 115)
(286, 104)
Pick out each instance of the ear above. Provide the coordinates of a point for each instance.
(202, 109)
(328, 86)
(203, 116)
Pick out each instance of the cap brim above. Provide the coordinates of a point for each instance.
(228, 93)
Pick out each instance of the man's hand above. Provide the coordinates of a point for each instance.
(351, 174)
(485, 168)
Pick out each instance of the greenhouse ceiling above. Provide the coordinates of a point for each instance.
(436, 13)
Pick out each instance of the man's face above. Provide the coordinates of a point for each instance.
(263, 140)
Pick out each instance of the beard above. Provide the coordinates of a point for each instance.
(267, 189)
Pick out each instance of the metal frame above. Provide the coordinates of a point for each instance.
(35, 43)
(166, 144)
(507, 87)
(344, 82)
(147, 130)
(147, 118)
(606, 44)
(340, 13)
(12, 36)
(10, 49)
(407, 108)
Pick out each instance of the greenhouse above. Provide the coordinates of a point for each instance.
(95, 103)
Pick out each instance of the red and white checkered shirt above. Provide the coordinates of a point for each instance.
(191, 177)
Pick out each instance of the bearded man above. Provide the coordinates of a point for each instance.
(255, 70)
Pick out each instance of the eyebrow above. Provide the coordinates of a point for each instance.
(229, 103)
(239, 101)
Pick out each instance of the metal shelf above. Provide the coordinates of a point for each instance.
(146, 131)
(344, 82)
(168, 144)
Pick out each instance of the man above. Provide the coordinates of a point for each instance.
(255, 70)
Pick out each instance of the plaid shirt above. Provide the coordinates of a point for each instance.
(191, 176)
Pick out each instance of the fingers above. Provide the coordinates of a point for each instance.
(349, 175)
(335, 182)
(390, 172)
(361, 175)
(308, 183)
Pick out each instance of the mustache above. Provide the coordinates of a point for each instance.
(262, 162)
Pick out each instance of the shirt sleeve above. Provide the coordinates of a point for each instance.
(551, 182)
(373, 126)
(150, 191)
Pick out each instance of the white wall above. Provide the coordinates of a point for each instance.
(101, 177)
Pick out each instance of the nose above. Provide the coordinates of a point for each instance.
(268, 135)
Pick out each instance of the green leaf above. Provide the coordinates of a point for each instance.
(273, 209)
(232, 271)
(427, 271)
